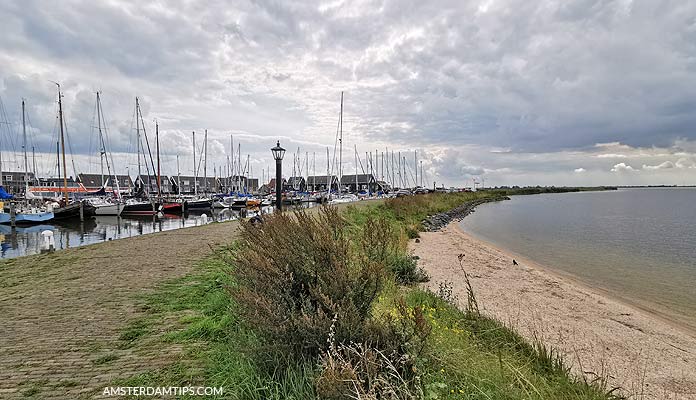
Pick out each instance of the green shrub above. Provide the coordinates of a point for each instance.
(385, 366)
(382, 244)
(406, 270)
(295, 273)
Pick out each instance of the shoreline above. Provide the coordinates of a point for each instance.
(684, 327)
(597, 333)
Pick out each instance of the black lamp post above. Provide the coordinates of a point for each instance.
(278, 153)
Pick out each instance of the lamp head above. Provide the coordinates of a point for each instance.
(278, 152)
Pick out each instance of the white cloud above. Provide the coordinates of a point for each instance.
(685, 163)
(579, 170)
(622, 167)
(664, 165)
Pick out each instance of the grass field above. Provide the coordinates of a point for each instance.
(460, 354)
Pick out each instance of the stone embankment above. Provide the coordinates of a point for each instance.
(438, 221)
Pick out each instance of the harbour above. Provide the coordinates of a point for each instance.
(17, 241)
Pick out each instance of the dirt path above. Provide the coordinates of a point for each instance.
(636, 350)
(61, 314)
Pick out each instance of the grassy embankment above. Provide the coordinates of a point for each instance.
(410, 343)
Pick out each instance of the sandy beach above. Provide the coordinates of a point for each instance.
(598, 335)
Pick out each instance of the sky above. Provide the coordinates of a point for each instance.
(506, 92)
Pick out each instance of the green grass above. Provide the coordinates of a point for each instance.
(468, 356)
(216, 344)
(474, 357)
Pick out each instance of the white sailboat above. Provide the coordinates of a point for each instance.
(25, 213)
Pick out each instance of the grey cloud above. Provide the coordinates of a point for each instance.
(546, 78)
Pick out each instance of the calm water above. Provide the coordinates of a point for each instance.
(20, 241)
(639, 244)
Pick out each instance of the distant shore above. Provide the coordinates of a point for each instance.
(598, 335)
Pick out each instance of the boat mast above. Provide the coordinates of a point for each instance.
(24, 146)
(393, 178)
(232, 163)
(306, 159)
(159, 178)
(62, 143)
(415, 166)
(58, 158)
(328, 174)
(421, 175)
(103, 156)
(178, 175)
(195, 170)
(205, 162)
(102, 152)
(340, 147)
(33, 163)
(137, 130)
(356, 167)
(314, 171)
(401, 177)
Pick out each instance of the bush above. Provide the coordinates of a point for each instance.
(383, 367)
(296, 273)
(381, 243)
(406, 270)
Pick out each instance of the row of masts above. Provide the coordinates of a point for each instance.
(385, 166)
(388, 167)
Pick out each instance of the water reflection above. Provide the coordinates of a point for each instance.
(20, 241)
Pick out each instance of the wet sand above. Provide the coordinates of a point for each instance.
(598, 334)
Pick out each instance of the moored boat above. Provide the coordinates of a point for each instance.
(172, 207)
(73, 210)
(137, 207)
(198, 204)
(32, 216)
(104, 207)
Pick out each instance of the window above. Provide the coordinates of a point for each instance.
(8, 178)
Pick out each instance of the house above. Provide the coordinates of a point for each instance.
(94, 182)
(207, 185)
(366, 182)
(320, 182)
(252, 185)
(296, 183)
(14, 182)
(165, 182)
(265, 189)
(272, 184)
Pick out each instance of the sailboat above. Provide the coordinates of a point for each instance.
(135, 206)
(199, 203)
(65, 209)
(341, 197)
(103, 205)
(24, 213)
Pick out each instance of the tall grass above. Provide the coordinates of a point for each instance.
(310, 306)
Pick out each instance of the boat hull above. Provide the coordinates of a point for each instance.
(4, 218)
(172, 208)
(143, 208)
(109, 209)
(198, 204)
(33, 218)
(72, 211)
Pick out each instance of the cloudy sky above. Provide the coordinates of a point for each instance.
(579, 92)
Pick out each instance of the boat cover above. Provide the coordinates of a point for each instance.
(4, 195)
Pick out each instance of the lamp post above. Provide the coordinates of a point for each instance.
(278, 153)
